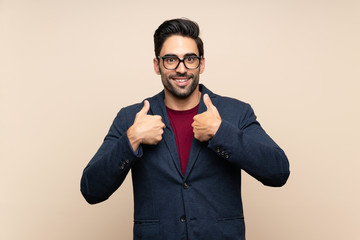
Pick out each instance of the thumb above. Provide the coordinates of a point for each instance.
(208, 102)
(145, 108)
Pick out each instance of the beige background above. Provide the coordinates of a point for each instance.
(67, 67)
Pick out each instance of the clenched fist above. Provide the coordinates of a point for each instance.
(206, 124)
(146, 129)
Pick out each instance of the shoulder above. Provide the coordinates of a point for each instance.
(224, 101)
(232, 109)
(229, 103)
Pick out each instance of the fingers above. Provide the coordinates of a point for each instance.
(208, 103)
(145, 108)
(159, 120)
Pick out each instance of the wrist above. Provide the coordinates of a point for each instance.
(134, 140)
(216, 127)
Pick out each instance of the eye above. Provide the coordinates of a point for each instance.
(190, 59)
(170, 59)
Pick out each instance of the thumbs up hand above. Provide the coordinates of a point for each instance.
(146, 129)
(206, 124)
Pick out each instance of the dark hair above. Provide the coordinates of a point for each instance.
(180, 26)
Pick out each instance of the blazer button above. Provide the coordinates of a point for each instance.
(186, 186)
(218, 149)
(122, 166)
(183, 219)
(127, 160)
(227, 156)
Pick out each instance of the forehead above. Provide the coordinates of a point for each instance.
(179, 46)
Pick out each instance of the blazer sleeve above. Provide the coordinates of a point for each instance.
(247, 145)
(108, 168)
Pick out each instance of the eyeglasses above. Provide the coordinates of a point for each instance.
(173, 61)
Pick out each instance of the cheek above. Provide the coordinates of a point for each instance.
(164, 77)
(164, 73)
(196, 72)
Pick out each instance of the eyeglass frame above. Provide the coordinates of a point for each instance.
(181, 61)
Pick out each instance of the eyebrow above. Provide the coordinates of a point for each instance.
(185, 55)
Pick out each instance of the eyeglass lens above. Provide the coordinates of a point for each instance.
(172, 62)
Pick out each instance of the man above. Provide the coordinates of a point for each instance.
(186, 147)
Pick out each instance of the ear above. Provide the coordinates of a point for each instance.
(202, 65)
(156, 66)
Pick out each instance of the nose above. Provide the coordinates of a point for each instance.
(181, 68)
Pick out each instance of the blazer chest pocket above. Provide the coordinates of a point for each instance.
(146, 229)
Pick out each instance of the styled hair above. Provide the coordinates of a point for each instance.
(179, 26)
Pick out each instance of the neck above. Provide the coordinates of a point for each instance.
(182, 104)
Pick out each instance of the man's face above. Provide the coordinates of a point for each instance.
(180, 82)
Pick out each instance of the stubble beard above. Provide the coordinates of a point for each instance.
(178, 91)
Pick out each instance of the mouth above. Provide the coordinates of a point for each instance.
(181, 81)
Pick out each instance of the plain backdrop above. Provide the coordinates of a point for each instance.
(67, 67)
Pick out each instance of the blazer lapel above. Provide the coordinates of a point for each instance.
(157, 107)
(196, 145)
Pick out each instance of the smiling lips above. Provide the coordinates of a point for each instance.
(181, 80)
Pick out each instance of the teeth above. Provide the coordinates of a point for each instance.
(182, 80)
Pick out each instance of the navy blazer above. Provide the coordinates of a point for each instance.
(205, 203)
